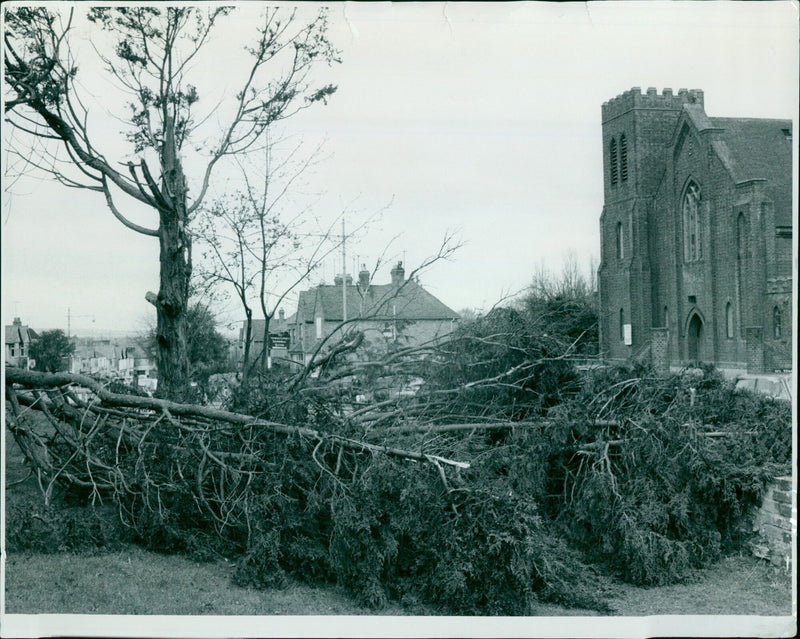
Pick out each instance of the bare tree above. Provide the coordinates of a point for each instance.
(260, 245)
(571, 282)
(154, 50)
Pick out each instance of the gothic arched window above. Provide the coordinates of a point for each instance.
(623, 158)
(692, 224)
(612, 161)
(620, 241)
(776, 323)
(621, 325)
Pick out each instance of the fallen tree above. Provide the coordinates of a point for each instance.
(629, 474)
(380, 519)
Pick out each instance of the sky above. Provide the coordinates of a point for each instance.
(476, 120)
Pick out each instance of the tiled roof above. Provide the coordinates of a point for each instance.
(305, 306)
(382, 301)
(17, 334)
(276, 325)
(759, 148)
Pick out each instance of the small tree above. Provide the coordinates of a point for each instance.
(208, 349)
(250, 244)
(564, 307)
(51, 350)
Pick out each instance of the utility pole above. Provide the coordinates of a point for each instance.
(344, 274)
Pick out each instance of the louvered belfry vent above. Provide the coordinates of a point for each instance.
(623, 158)
(613, 162)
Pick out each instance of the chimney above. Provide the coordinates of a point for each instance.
(363, 278)
(281, 315)
(398, 274)
(17, 321)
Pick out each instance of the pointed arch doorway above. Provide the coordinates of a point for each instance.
(694, 335)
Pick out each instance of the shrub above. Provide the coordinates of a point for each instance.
(32, 526)
(664, 483)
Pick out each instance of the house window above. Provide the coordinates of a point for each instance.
(613, 162)
(620, 241)
(319, 328)
(13, 351)
(692, 224)
(776, 323)
(729, 320)
(623, 158)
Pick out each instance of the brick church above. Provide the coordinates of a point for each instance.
(696, 235)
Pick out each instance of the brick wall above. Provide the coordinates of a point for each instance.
(755, 349)
(773, 523)
(659, 354)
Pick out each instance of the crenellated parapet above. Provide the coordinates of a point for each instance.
(651, 99)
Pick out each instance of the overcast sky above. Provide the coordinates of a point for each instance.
(478, 119)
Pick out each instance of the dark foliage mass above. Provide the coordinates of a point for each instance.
(508, 478)
(51, 351)
(667, 482)
(503, 367)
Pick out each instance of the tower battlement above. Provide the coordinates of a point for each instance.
(634, 98)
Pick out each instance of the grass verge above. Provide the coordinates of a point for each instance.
(135, 581)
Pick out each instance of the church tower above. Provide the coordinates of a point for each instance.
(637, 128)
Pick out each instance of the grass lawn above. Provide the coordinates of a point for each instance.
(135, 581)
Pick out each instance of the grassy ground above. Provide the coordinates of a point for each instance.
(135, 581)
(139, 582)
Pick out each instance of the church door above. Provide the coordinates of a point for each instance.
(695, 336)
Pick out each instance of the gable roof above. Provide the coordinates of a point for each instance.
(759, 149)
(382, 302)
(18, 334)
(305, 306)
(750, 149)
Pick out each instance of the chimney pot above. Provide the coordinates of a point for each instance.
(398, 274)
(363, 278)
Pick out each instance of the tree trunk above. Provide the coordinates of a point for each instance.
(176, 267)
(248, 335)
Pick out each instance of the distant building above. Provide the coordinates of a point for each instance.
(400, 312)
(119, 359)
(18, 340)
(696, 234)
(279, 337)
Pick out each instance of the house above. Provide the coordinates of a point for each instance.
(400, 312)
(18, 343)
(121, 360)
(696, 234)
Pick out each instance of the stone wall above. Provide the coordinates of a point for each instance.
(775, 522)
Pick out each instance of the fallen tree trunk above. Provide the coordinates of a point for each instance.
(170, 409)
